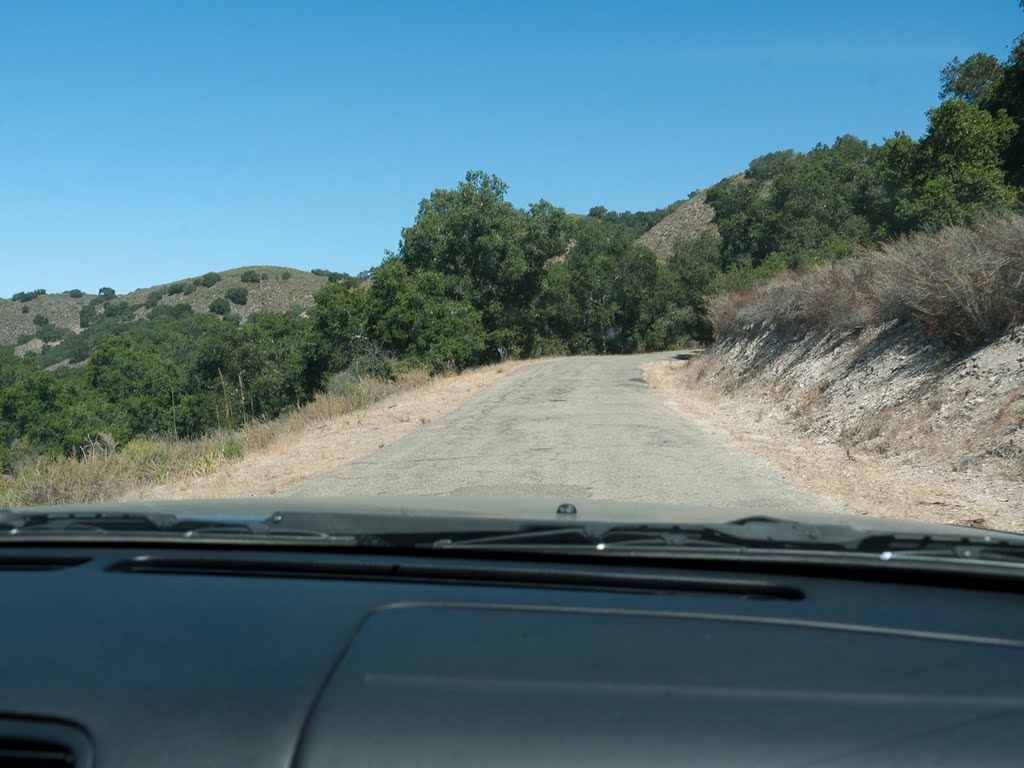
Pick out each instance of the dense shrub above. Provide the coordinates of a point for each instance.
(27, 295)
(118, 310)
(87, 315)
(237, 295)
(333, 277)
(175, 288)
(74, 293)
(250, 276)
(210, 279)
(153, 298)
(51, 333)
(220, 306)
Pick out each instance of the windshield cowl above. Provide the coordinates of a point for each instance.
(752, 538)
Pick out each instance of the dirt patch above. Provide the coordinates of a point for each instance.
(300, 455)
(834, 427)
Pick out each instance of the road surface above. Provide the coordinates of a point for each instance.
(571, 428)
(574, 429)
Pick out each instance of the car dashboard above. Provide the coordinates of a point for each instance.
(150, 655)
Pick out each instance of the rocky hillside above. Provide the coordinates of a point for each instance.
(892, 421)
(274, 289)
(888, 390)
(687, 221)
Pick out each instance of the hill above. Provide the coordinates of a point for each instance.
(688, 220)
(273, 289)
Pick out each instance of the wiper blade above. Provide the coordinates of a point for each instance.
(750, 536)
(765, 537)
(755, 532)
(342, 529)
(59, 524)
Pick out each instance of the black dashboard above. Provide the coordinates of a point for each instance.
(143, 655)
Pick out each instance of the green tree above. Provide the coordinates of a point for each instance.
(43, 412)
(971, 78)
(134, 374)
(1006, 93)
(690, 275)
(274, 360)
(952, 174)
(411, 314)
(339, 330)
(806, 208)
(490, 253)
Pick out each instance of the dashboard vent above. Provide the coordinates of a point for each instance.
(20, 753)
(536, 576)
(40, 562)
(30, 742)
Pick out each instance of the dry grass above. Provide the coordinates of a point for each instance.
(107, 471)
(958, 285)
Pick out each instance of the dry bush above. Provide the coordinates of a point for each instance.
(959, 285)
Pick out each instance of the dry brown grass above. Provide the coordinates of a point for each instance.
(107, 471)
(958, 285)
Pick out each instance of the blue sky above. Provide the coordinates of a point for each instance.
(142, 141)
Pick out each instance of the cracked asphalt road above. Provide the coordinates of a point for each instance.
(573, 429)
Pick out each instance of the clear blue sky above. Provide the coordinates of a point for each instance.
(143, 141)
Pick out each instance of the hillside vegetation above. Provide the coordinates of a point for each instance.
(477, 280)
(958, 287)
(37, 322)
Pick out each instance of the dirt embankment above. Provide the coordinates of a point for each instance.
(894, 424)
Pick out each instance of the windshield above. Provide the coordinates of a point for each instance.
(697, 273)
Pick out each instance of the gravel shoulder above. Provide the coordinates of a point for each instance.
(751, 420)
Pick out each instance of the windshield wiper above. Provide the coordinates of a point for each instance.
(59, 524)
(754, 535)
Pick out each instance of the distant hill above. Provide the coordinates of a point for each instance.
(274, 289)
(691, 218)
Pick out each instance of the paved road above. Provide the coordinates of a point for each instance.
(577, 428)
